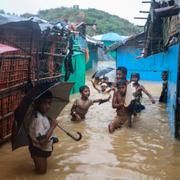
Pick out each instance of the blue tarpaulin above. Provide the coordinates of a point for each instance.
(110, 37)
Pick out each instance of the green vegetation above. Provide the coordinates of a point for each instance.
(105, 22)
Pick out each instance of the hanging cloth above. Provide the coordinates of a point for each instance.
(87, 55)
(68, 60)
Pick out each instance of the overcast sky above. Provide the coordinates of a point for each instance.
(127, 9)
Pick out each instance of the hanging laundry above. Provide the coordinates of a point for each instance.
(87, 55)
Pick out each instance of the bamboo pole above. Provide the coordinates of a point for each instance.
(10, 90)
(147, 2)
(52, 54)
(144, 12)
(15, 57)
(140, 18)
(6, 115)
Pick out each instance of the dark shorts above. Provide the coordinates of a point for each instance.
(34, 151)
(38, 152)
(135, 107)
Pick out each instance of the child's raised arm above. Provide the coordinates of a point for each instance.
(73, 111)
(100, 101)
(73, 108)
(95, 86)
(148, 94)
(110, 89)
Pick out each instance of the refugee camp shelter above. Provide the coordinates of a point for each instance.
(29, 55)
(129, 54)
(162, 39)
(61, 54)
(18, 65)
(155, 50)
(108, 39)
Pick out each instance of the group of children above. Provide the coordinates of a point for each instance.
(126, 100)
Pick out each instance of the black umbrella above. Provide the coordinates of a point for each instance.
(24, 111)
(102, 72)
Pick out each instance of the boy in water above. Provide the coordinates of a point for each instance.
(40, 133)
(118, 103)
(81, 106)
(163, 97)
(137, 90)
(121, 73)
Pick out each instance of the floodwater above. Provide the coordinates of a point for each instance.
(146, 151)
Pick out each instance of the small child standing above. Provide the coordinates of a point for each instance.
(40, 133)
(82, 105)
(121, 74)
(118, 103)
(137, 90)
(163, 97)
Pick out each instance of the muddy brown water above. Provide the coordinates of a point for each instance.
(147, 151)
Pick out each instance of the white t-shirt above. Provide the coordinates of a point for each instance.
(129, 95)
(39, 126)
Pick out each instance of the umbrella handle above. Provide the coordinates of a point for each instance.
(70, 135)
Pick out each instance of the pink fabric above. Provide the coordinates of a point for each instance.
(5, 48)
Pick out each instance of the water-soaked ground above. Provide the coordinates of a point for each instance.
(147, 151)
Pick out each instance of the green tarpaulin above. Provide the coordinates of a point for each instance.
(79, 66)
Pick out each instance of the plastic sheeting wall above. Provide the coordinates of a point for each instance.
(93, 57)
(79, 66)
(150, 68)
(111, 53)
(172, 59)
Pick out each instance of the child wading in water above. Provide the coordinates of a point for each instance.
(40, 133)
(104, 89)
(137, 94)
(81, 106)
(118, 103)
(121, 73)
(163, 97)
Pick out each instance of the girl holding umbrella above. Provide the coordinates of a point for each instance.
(41, 133)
